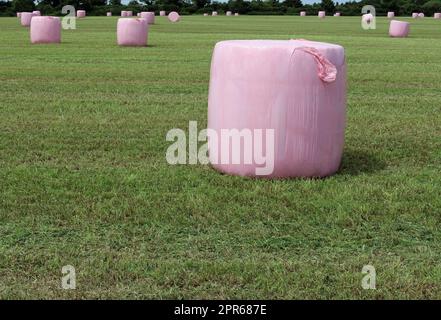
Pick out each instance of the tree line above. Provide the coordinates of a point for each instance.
(251, 7)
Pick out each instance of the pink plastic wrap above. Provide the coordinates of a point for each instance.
(303, 13)
(18, 14)
(421, 15)
(399, 29)
(109, 14)
(162, 13)
(149, 16)
(36, 13)
(391, 14)
(296, 88)
(132, 32)
(437, 15)
(174, 16)
(45, 29)
(321, 14)
(25, 19)
(81, 13)
(367, 18)
(415, 15)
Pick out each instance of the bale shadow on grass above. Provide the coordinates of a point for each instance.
(356, 162)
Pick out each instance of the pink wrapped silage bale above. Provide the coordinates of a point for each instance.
(321, 14)
(162, 13)
(205, 14)
(214, 13)
(36, 13)
(109, 14)
(421, 15)
(296, 88)
(174, 16)
(337, 14)
(149, 16)
(415, 15)
(399, 29)
(303, 13)
(236, 14)
(123, 13)
(132, 32)
(18, 14)
(25, 19)
(437, 15)
(138, 14)
(367, 18)
(45, 29)
(391, 14)
(129, 13)
(81, 13)
(228, 13)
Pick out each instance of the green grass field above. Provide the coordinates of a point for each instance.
(84, 180)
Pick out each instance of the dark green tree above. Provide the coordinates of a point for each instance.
(328, 6)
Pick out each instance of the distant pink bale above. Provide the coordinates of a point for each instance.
(149, 16)
(25, 19)
(162, 13)
(367, 18)
(236, 14)
(132, 32)
(296, 88)
(129, 13)
(45, 29)
(415, 15)
(337, 14)
(36, 13)
(81, 13)
(228, 13)
(399, 29)
(109, 14)
(174, 16)
(18, 14)
(321, 14)
(214, 13)
(391, 14)
(437, 15)
(123, 13)
(421, 15)
(205, 14)
(302, 13)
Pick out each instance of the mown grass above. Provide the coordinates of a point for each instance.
(84, 180)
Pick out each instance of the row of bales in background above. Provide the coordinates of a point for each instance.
(281, 7)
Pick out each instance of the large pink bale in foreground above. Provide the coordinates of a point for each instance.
(399, 29)
(132, 32)
(149, 16)
(302, 13)
(25, 19)
(390, 14)
(162, 13)
(174, 16)
(296, 87)
(81, 13)
(322, 14)
(45, 30)
(36, 13)
(437, 15)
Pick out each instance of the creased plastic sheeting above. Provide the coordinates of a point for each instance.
(132, 32)
(399, 29)
(296, 87)
(45, 29)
